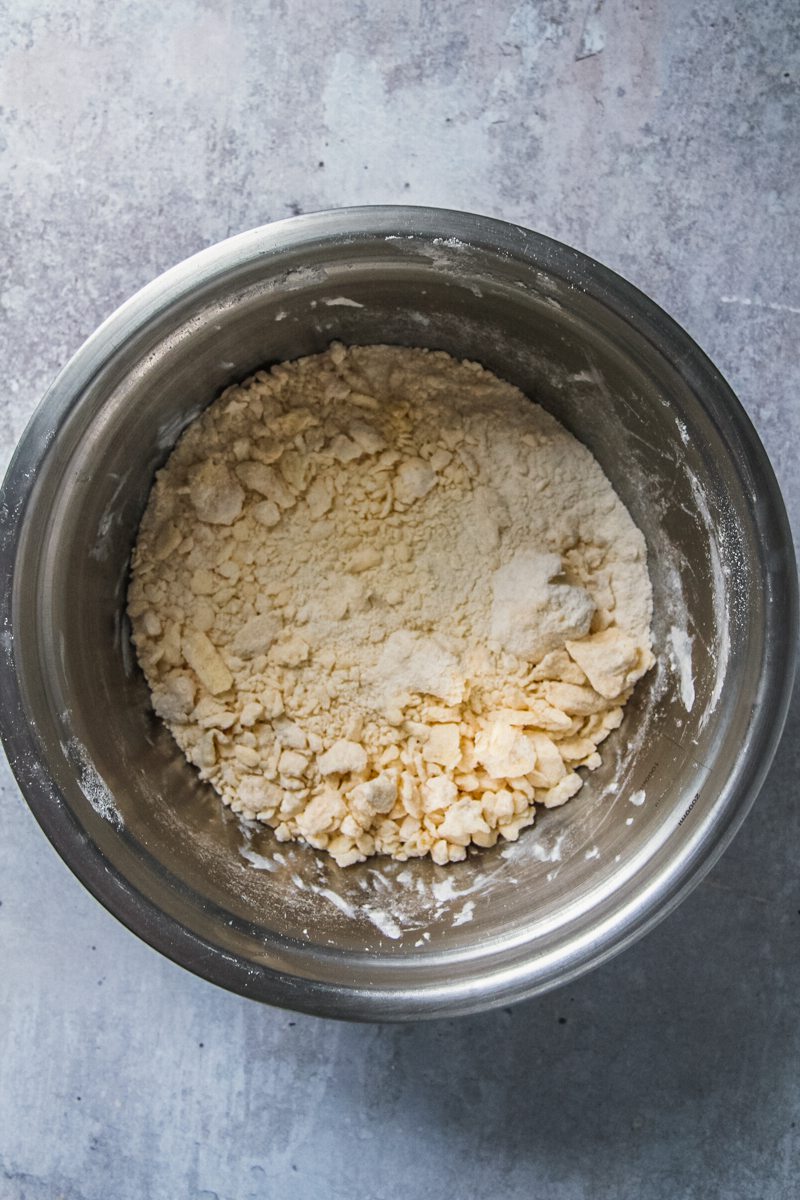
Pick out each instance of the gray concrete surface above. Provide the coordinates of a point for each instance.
(661, 138)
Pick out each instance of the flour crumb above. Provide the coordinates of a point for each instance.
(387, 605)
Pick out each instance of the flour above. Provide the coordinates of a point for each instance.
(385, 604)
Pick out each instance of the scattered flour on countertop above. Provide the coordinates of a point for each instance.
(386, 604)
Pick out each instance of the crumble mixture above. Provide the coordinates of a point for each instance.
(386, 604)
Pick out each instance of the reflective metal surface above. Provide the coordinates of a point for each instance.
(397, 941)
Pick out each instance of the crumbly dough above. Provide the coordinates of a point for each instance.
(386, 604)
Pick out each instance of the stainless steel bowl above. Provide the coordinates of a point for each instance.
(388, 940)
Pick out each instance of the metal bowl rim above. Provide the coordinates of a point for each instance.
(649, 904)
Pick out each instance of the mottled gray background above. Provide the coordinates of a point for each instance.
(661, 138)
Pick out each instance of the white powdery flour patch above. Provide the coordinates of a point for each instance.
(680, 650)
(92, 785)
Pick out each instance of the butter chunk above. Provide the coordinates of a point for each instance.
(291, 651)
(267, 513)
(504, 751)
(173, 698)
(415, 478)
(292, 763)
(367, 437)
(257, 794)
(498, 807)
(462, 821)
(574, 699)
(443, 745)
(267, 482)
(563, 791)
(364, 559)
(319, 496)
(322, 814)
(206, 662)
(539, 715)
(611, 661)
(375, 796)
(345, 450)
(215, 494)
(167, 540)
(438, 793)
(549, 763)
(256, 635)
(343, 758)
